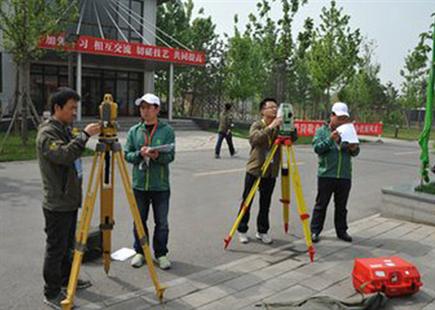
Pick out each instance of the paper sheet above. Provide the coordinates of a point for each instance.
(122, 254)
(348, 133)
(165, 148)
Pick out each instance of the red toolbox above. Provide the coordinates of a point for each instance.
(392, 275)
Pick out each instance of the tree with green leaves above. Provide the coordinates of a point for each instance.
(244, 67)
(303, 91)
(275, 38)
(23, 24)
(205, 83)
(365, 90)
(393, 113)
(334, 51)
(414, 73)
(174, 18)
(202, 84)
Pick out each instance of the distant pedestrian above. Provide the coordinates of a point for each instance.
(224, 131)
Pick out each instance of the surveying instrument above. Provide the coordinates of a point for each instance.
(108, 151)
(289, 170)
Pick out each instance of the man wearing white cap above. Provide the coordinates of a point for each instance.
(151, 175)
(334, 173)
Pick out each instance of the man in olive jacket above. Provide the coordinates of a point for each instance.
(261, 137)
(151, 176)
(59, 162)
(334, 173)
(224, 131)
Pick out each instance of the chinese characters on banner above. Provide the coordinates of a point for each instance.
(367, 129)
(98, 46)
(308, 128)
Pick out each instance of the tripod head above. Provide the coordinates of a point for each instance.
(108, 115)
(287, 128)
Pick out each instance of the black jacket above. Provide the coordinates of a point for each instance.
(57, 151)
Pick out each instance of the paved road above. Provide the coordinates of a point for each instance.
(205, 198)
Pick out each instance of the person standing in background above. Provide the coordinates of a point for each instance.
(224, 131)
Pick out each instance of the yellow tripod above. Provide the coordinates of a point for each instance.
(108, 151)
(288, 159)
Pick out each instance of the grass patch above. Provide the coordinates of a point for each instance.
(410, 134)
(88, 152)
(14, 150)
(426, 188)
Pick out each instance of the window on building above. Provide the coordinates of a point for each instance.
(125, 87)
(125, 24)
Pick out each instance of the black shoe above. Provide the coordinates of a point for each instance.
(315, 238)
(217, 157)
(345, 237)
(54, 302)
(81, 284)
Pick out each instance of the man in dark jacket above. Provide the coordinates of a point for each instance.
(262, 134)
(59, 161)
(224, 131)
(334, 173)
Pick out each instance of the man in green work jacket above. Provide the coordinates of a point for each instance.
(151, 175)
(334, 173)
(58, 154)
(261, 138)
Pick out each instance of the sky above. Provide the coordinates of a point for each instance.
(393, 25)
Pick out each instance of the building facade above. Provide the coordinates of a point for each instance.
(126, 79)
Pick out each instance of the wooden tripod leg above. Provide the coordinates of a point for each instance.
(247, 201)
(244, 209)
(285, 186)
(301, 205)
(106, 208)
(82, 233)
(143, 238)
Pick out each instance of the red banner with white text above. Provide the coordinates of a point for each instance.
(98, 46)
(308, 128)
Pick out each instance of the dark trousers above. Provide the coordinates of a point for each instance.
(229, 138)
(160, 204)
(325, 188)
(60, 228)
(266, 189)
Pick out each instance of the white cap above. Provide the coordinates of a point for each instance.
(340, 109)
(148, 98)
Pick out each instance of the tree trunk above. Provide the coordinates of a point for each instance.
(314, 108)
(328, 99)
(280, 80)
(192, 106)
(15, 103)
(24, 71)
(408, 125)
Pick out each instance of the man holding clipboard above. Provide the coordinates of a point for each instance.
(335, 144)
(150, 147)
